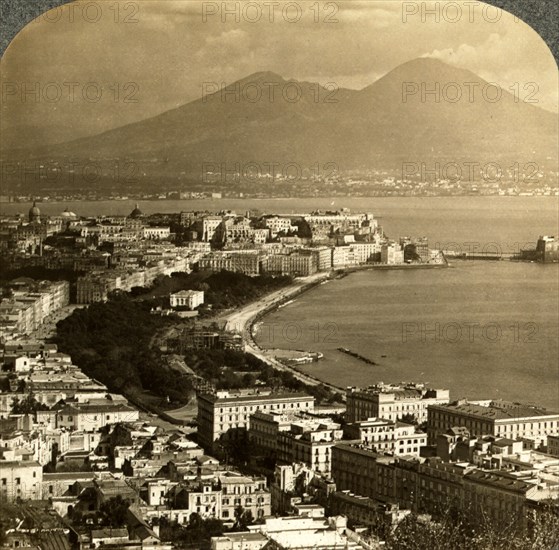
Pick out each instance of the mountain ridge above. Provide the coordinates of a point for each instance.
(351, 128)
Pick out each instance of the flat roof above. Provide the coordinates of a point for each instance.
(496, 410)
(256, 397)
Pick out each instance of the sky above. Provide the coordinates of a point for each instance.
(136, 59)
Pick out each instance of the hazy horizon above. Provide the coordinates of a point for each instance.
(168, 52)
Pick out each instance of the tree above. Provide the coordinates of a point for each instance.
(243, 518)
(113, 511)
(28, 405)
(409, 418)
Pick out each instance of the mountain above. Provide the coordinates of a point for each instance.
(304, 123)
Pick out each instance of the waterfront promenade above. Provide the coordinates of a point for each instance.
(242, 321)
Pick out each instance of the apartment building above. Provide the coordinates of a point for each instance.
(391, 253)
(277, 224)
(296, 437)
(245, 261)
(156, 233)
(20, 479)
(431, 485)
(31, 304)
(91, 417)
(392, 402)
(298, 263)
(226, 415)
(96, 287)
(249, 492)
(387, 436)
(497, 418)
(553, 445)
(210, 226)
(548, 249)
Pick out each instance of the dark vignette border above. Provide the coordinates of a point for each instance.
(541, 15)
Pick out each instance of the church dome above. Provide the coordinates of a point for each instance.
(136, 213)
(34, 212)
(68, 215)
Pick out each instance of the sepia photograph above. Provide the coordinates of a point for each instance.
(279, 275)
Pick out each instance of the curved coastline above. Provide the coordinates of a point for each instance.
(244, 320)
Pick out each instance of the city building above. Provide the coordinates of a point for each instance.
(393, 402)
(386, 436)
(20, 480)
(496, 418)
(553, 445)
(30, 304)
(190, 299)
(548, 249)
(226, 415)
(239, 261)
(91, 417)
(391, 253)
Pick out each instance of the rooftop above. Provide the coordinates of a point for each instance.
(496, 410)
(232, 398)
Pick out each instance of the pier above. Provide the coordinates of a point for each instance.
(357, 356)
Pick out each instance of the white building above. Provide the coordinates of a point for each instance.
(187, 298)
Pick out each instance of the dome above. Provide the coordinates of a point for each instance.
(136, 213)
(34, 213)
(68, 215)
(34, 210)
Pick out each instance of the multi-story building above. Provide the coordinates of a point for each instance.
(553, 445)
(30, 305)
(497, 418)
(548, 249)
(237, 229)
(240, 261)
(249, 492)
(296, 437)
(341, 221)
(20, 479)
(210, 226)
(356, 468)
(226, 415)
(187, 298)
(91, 417)
(277, 224)
(393, 402)
(298, 263)
(96, 287)
(391, 253)
(418, 248)
(311, 445)
(323, 256)
(356, 253)
(498, 498)
(156, 233)
(387, 436)
(432, 486)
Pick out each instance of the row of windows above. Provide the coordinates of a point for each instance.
(254, 408)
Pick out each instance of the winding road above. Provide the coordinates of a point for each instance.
(241, 321)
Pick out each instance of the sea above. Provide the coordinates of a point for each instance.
(485, 224)
(483, 329)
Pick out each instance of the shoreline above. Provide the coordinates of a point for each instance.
(245, 320)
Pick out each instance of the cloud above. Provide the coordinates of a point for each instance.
(532, 72)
